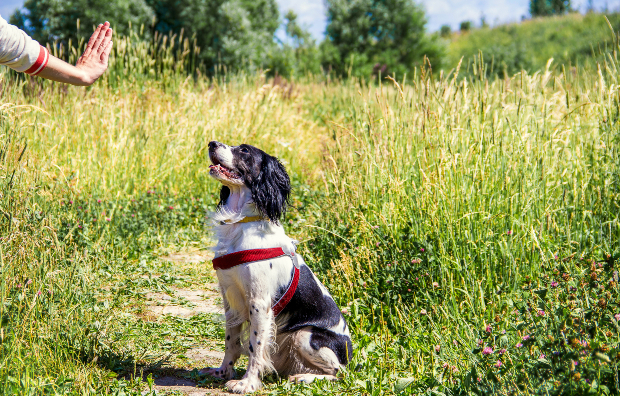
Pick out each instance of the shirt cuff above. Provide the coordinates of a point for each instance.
(40, 63)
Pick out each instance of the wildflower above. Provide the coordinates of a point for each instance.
(554, 284)
(107, 219)
(363, 284)
(435, 284)
(38, 292)
(49, 291)
(542, 356)
(509, 232)
(501, 351)
(79, 226)
(377, 244)
(388, 264)
(416, 278)
(455, 342)
(172, 207)
(480, 342)
(555, 257)
(487, 351)
(519, 345)
(437, 348)
(345, 311)
(488, 329)
(423, 311)
(28, 282)
(421, 249)
(98, 201)
(70, 202)
(617, 316)
(541, 313)
(503, 331)
(408, 290)
(416, 261)
(526, 337)
(445, 365)
(19, 285)
(498, 364)
(133, 215)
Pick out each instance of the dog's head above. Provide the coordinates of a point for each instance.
(261, 173)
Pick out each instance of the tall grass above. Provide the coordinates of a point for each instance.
(433, 209)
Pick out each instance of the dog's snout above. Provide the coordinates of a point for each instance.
(214, 144)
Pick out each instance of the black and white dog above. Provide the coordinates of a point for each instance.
(277, 311)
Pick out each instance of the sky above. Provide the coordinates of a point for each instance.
(311, 13)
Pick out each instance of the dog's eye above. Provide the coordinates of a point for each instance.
(244, 150)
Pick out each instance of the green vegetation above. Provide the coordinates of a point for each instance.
(468, 227)
(571, 40)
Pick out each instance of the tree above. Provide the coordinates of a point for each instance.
(233, 33)
(49, 20)
(363, 35)
(542, 8)
(465, 26)
(445, 31)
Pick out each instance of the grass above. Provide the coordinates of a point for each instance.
(468, 226)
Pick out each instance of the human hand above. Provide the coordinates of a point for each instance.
(94, 61)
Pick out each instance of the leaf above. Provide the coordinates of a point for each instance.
(403, 383)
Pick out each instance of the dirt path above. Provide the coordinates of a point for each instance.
(186, 303)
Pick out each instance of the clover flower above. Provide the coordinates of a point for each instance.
(498, 364)
(554, 284)
(437, 348)
(423, 311)
(519, 345)
(488, 329)
(487, 351)
(526, 337)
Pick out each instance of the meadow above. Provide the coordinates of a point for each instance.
(467, 226)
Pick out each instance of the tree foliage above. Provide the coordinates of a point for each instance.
(49, 20)
(541, 8)
(369, 35)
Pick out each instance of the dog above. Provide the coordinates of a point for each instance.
(277, 311)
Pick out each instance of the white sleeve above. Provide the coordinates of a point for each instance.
(19, 51)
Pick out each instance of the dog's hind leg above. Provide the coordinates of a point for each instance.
(318, 351)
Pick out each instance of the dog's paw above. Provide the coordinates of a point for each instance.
(225, 372)
(308, 378)
(245, 385)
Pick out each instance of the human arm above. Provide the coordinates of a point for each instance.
(23, 54)
(91, 65)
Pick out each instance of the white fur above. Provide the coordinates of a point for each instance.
(248, 291)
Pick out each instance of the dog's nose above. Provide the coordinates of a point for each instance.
(214, 144)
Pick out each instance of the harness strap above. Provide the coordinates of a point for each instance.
(249, 256)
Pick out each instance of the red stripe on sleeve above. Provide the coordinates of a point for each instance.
(40, 63)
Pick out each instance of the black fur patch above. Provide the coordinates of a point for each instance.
(310, 307)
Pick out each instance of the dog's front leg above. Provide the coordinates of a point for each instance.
(261, 325)
(233, 348)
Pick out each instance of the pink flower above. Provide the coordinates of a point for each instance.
(489, 329)
(498, 364)
(501, 351)
(526, 337)
(487, 351)
(437, 348)
(480, 342)
(70, 202)
(98, 201)
(455, 342)
(408, 290)
(28, 282)
(345, 311)
(19, 285)
(445, 365)
(38, 292)
(555, 257)
(363, 284)
(423, 312)
(377, 244)
(617, 316)
(519, 345)
(509, 232)
(435, 284)
(421, 249)
(542, 356)
(107, 219)
(172, 207)
(541, 313)
(554, 284)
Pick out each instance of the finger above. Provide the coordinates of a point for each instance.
(106, 52)
(104, 43)
(92, 40)
(100, 36)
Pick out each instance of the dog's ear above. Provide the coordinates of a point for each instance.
(224, 194)
(271, 189)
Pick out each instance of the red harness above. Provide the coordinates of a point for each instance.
(250, 256)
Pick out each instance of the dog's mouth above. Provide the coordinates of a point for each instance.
(217, 169)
